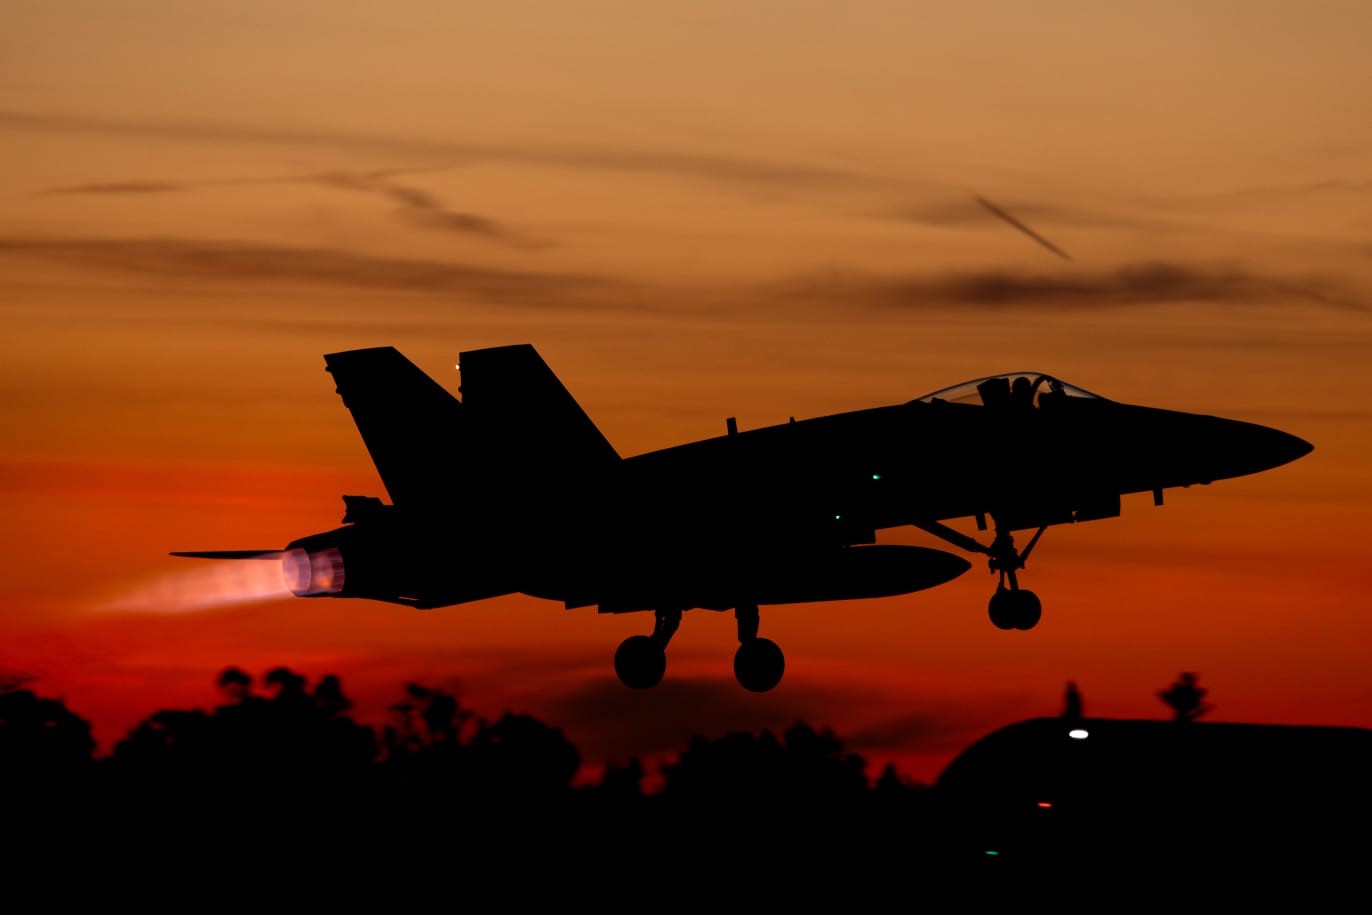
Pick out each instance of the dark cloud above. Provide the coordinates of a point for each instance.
(611, 722)
(939, 728)
(1130, 284)
(913, 729)
(710, 167)
(239, 261)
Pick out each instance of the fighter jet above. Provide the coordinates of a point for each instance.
(512, 489)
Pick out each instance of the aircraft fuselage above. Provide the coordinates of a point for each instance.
(536, 500)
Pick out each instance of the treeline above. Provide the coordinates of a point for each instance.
(288, 745)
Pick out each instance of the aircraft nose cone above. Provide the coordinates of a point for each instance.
(1286, 447)
(1244, 448)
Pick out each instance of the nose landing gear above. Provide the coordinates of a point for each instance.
(1014, 609)
(1011, 607)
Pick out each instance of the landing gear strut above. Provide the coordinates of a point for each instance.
(758, 663)
(641, 660)
(1011, 607)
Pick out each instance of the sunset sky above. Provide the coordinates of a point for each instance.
(694, 211)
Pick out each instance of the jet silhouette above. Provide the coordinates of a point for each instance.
(513, 489)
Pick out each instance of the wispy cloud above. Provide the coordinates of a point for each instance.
(1329, 186)
(692, 165)
(1150, 283)
(238, 261)
(116, 187)
(426, 210)
(416, 206)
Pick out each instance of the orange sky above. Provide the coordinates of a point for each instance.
(694, 211)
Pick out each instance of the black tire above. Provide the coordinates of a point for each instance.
(759, 665)
(640, 662)
(1003, 609)
(1029, 610)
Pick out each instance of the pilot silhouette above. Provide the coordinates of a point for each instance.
(1022, 395)
(995, 392)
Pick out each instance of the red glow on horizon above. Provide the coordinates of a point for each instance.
(684, 238)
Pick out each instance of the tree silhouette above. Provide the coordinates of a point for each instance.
(439, 755)
(280, 755)
(235, 684)
(1185, 697)
(42, 742)
(293, 745)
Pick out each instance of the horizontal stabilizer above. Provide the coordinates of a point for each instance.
(230, 554)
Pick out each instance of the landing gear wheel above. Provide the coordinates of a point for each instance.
(1029, 611)
(1002, 609)
(1010, 607)
(1014, 609)
(759, 664)
(640, 662)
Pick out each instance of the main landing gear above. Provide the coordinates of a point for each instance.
(641, 660)
(1011, 607)
(758, 663)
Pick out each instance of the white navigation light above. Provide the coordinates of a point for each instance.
(1078, 733)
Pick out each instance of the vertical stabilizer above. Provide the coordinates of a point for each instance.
(412, 427)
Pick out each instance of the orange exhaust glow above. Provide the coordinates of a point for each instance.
(218, 584)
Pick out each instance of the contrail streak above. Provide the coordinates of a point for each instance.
(1007, 218)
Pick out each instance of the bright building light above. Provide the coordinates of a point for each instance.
(1078, 733)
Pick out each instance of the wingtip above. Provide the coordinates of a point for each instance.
(227, 554)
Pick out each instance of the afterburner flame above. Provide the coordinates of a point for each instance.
(308, 574)
(207, 586)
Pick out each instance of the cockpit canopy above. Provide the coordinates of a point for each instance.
(1032, 389)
